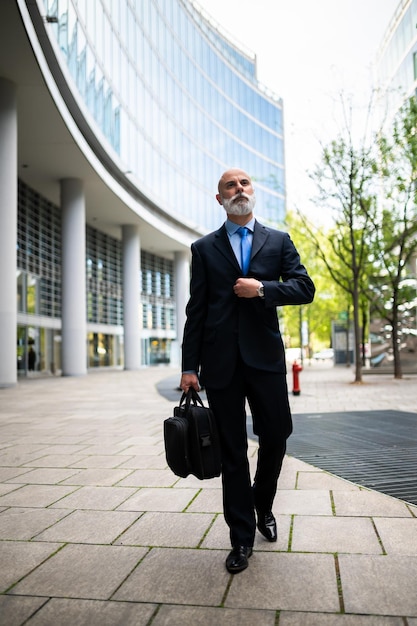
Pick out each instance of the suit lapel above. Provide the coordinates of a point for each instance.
(222, 243)
(260, 235)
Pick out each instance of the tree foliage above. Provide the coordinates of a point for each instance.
(395, 237)
(370, 189)
(345, 180)
(364, 261)
(327, 303)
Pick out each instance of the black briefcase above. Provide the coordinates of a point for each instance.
(191, 439)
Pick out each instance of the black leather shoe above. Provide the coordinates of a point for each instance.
(237, 560)
(267, 526)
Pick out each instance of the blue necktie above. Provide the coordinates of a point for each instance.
(245, 249)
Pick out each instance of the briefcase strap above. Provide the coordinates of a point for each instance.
(190, 396)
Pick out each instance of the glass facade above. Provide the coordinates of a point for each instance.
(176, 102)
(38, 292)
(173, 102)
(158, 308)
(397, 62)
(38, 250)
(104, 278)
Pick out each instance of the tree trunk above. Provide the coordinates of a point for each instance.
(398, 373)
(358, 356)
(364, 338)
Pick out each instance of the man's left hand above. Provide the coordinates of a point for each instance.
(246, 287)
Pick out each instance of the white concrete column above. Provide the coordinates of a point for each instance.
(8, 233)
(74, 324)
(132, 312)
(182, 292)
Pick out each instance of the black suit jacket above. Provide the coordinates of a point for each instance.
(220, 325)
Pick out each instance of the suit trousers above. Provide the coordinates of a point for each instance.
(267, 396)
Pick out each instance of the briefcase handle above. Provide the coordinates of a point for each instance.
(190, 396)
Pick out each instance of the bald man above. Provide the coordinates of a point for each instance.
(232, 345)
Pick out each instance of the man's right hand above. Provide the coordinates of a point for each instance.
(189, 380)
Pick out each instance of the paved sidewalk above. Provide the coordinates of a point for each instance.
(95, 529)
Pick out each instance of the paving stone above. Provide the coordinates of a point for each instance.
(322, 619)
(289, 472)
(89, 527)
(81, 571)
(103, 461)
(297, 582)
(63, 612)
(62, 438)
(322, 480)
(21, 524)
(43, 476)
(208, 616)
(96, 444)
(62, 450)
(399, 536)
(367, 503)
(18, 558)
(172, 576)
(291, 464)
(103, 450)
(57, 460)
(57, 422)
(145, 451)
(253, 462)
(8, 488)
(218, 536)
(167, 529)
(303, 502)
(15, 611)
(35, 495)
(208, 500)
(16, 448)
(95, 498)
(149, 478)
(287, 481)
(146, 461)
(191, 482)
(367, 584)
(334, 534)
(158, 499)
(15, 459)
(98, 477)
(11, 472)
(144, 440)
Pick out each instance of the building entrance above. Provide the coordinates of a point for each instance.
(38, 350)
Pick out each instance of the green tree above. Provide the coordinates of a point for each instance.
(326, 305)
(395, 235)
(346, 182)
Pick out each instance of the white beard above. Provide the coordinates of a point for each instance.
(240, 204)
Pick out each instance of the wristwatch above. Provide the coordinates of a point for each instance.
(260, 291)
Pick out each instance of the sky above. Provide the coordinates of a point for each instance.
(309, 52)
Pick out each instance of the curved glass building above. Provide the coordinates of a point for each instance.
(176, 102)
(397, 58)
(122, 116)
(396, 70)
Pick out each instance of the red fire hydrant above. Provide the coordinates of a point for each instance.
(296, 369)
